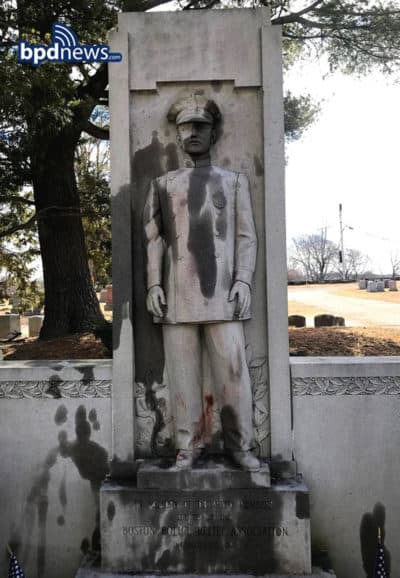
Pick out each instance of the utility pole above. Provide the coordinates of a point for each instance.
(341, 251)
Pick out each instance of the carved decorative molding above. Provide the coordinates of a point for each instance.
(54, 389)
(258, 370)
(381, 385)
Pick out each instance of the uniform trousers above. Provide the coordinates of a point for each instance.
(184, 346)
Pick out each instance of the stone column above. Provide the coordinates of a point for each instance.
(123, 414)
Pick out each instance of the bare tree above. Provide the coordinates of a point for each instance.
(356, 263)
(395, 262)
(315, 255)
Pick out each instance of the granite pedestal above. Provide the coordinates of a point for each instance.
(209, 474)
(240, 527)
(96, 572)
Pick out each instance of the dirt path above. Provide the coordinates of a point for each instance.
(363, 310)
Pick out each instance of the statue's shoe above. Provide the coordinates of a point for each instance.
(246, 460)
(186, 458)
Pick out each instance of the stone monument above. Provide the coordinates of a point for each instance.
(199, 236)
(201, 251)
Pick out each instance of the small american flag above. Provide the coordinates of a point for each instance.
(15, 570)
(380, 567)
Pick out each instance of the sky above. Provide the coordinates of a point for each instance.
(350, 155)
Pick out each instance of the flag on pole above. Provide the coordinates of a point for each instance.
(380, 566)
(14, 569)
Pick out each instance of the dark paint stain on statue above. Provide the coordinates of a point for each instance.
(90, 458)
(147, 161)
(302, 506)
(62, 492)
(38, 498)
(171, 152)
(201, 234)
(61, 415)
(110, 511)
(85, 546)
(370, 523)
(216, 85)
(93, 419)
(258, 166)
(147, 164)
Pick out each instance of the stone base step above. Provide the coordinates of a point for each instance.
(98, 573)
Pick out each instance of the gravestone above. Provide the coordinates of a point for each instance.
(35, 323)
(103, 296)
(371, 287)
(392, 285)
(324, 320)
(380, 286)
(362, 284)
(9, 324)
(212, 517)
(297, 321)
(109, 298)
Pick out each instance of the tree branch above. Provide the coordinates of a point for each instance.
(142, 5)
(19, 227)
(7, 43)
(96, 84)
(294, 17)
(96, 131)
(209, 4)
(16, 199)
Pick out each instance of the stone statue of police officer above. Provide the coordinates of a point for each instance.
(201, 253)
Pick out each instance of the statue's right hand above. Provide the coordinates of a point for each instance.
(155, 300)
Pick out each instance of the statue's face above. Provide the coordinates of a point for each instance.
(196, 138)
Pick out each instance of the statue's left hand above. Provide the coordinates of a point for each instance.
(241, 291)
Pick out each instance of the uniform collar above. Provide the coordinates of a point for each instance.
(205, 162)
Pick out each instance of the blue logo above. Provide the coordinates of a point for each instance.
(65, 47)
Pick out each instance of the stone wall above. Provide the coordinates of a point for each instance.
(346, 436)
(54, 445)
(56, 438)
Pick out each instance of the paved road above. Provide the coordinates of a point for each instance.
(357, 312)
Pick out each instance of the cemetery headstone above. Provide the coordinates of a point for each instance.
(9, 324)
(103, 295)
(35, 323)
(324, 320)
(297, 321)
(109, 298)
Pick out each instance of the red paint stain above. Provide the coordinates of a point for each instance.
(203, 431)
(198, 433)
(208, 418)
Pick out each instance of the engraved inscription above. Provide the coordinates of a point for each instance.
(193, 504)
(211, 531)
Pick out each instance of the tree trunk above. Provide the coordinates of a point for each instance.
(71, 305)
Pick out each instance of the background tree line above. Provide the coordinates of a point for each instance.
(315, 259)
(53, 195)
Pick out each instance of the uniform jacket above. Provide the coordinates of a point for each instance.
(200, 238)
